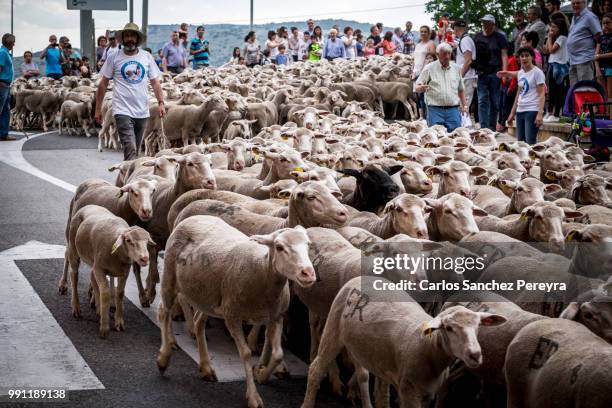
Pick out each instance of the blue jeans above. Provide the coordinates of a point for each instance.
(526, 130)
(449, 117)
(488, 100)
(5, 109)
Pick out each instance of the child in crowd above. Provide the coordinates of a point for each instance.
(266, 57)
(314, 51)
(387, 44)
(369, 48)
(282, 58)
(603, 55)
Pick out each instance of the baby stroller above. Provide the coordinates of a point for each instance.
(586, 103)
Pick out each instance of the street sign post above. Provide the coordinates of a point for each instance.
(97, 4)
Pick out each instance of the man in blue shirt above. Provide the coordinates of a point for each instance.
(174, 55)
(199, 49)
(334, 47)
(581, 41)
(6, 77)
(53, 57)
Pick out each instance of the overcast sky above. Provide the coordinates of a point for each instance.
(35, 19)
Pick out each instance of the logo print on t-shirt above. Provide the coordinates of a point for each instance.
(523, 86)
(132, 72)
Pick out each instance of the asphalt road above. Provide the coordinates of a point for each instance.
(34, 209)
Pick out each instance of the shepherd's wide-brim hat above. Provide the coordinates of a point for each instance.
(133, 27)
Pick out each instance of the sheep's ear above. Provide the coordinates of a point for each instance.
(351, 172)
(148, 163)
(508, 184)
(534, 154)
(570, 213)
(441, 158)
(430, 326)
(574, 235)
(390, 206)
(115, 167)
(305, 155)
(479, 212)
(266, 188)
(123, 189)
(503, 147)
(152, 243)
(433, 203)
(490, 319)
(589, 166)
(394, 169)
(527, 213)
(433, 170)
(552, 188)
(552, 175)
(478, 171)
(117, 243)
(284, 194)
(588, 158)
(570, 312)
(267, 240)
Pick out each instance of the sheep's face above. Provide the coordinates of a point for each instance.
(163, 167)
(288, 161)
(545, 223)
(415, 180)
(458, 327)
(289, 254)
(596, 315)
(454, 216)
(139, 197)
(354, 159)
(455, 177)
(591, 189)
(317, 205)
(565, 178)
(195, 171)
(134, 242)
(552, 159)
(510, 161)
(408, 215)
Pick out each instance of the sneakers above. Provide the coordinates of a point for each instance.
(8, 138)
(550, 118)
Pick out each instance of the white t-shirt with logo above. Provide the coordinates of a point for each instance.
(466, 44)
(528, 89)
(129, 74)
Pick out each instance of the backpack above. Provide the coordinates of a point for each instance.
(482, 63)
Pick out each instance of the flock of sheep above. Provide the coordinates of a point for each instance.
(262, 186)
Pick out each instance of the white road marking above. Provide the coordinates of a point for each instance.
(223, 352)
(34, 350)
(10, 153)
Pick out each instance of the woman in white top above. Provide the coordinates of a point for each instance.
(422, 48)
(557, 75)
(296, 45)
(250, 50)
(530, 97)
(272, 45)
(350, 43)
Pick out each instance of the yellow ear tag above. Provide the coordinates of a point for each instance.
(257, 157)
(298, 169)
(284, 137)
(427, 330)
(549, 177)
(114, 249)
(570, 236)
(524, 217)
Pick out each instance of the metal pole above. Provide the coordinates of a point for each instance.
(251, 15)
(145, 17)
(87, 41)
(467, 12)
(131, 11)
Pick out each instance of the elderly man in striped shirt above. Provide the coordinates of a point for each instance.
(443, 87)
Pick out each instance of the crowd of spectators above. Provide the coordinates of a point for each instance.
(505, 76)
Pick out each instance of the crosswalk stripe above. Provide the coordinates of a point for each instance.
(34, 350)
(223, 352)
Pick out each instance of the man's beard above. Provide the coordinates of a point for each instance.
(130, 45)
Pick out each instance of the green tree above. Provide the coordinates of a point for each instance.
(503, 10)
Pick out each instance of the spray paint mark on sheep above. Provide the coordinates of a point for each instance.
(356, 303)
(544, 350)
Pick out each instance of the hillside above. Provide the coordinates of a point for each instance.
(223, 37)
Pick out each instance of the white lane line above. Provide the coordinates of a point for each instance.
(10, 153)
(223, 352)
(34, 350)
